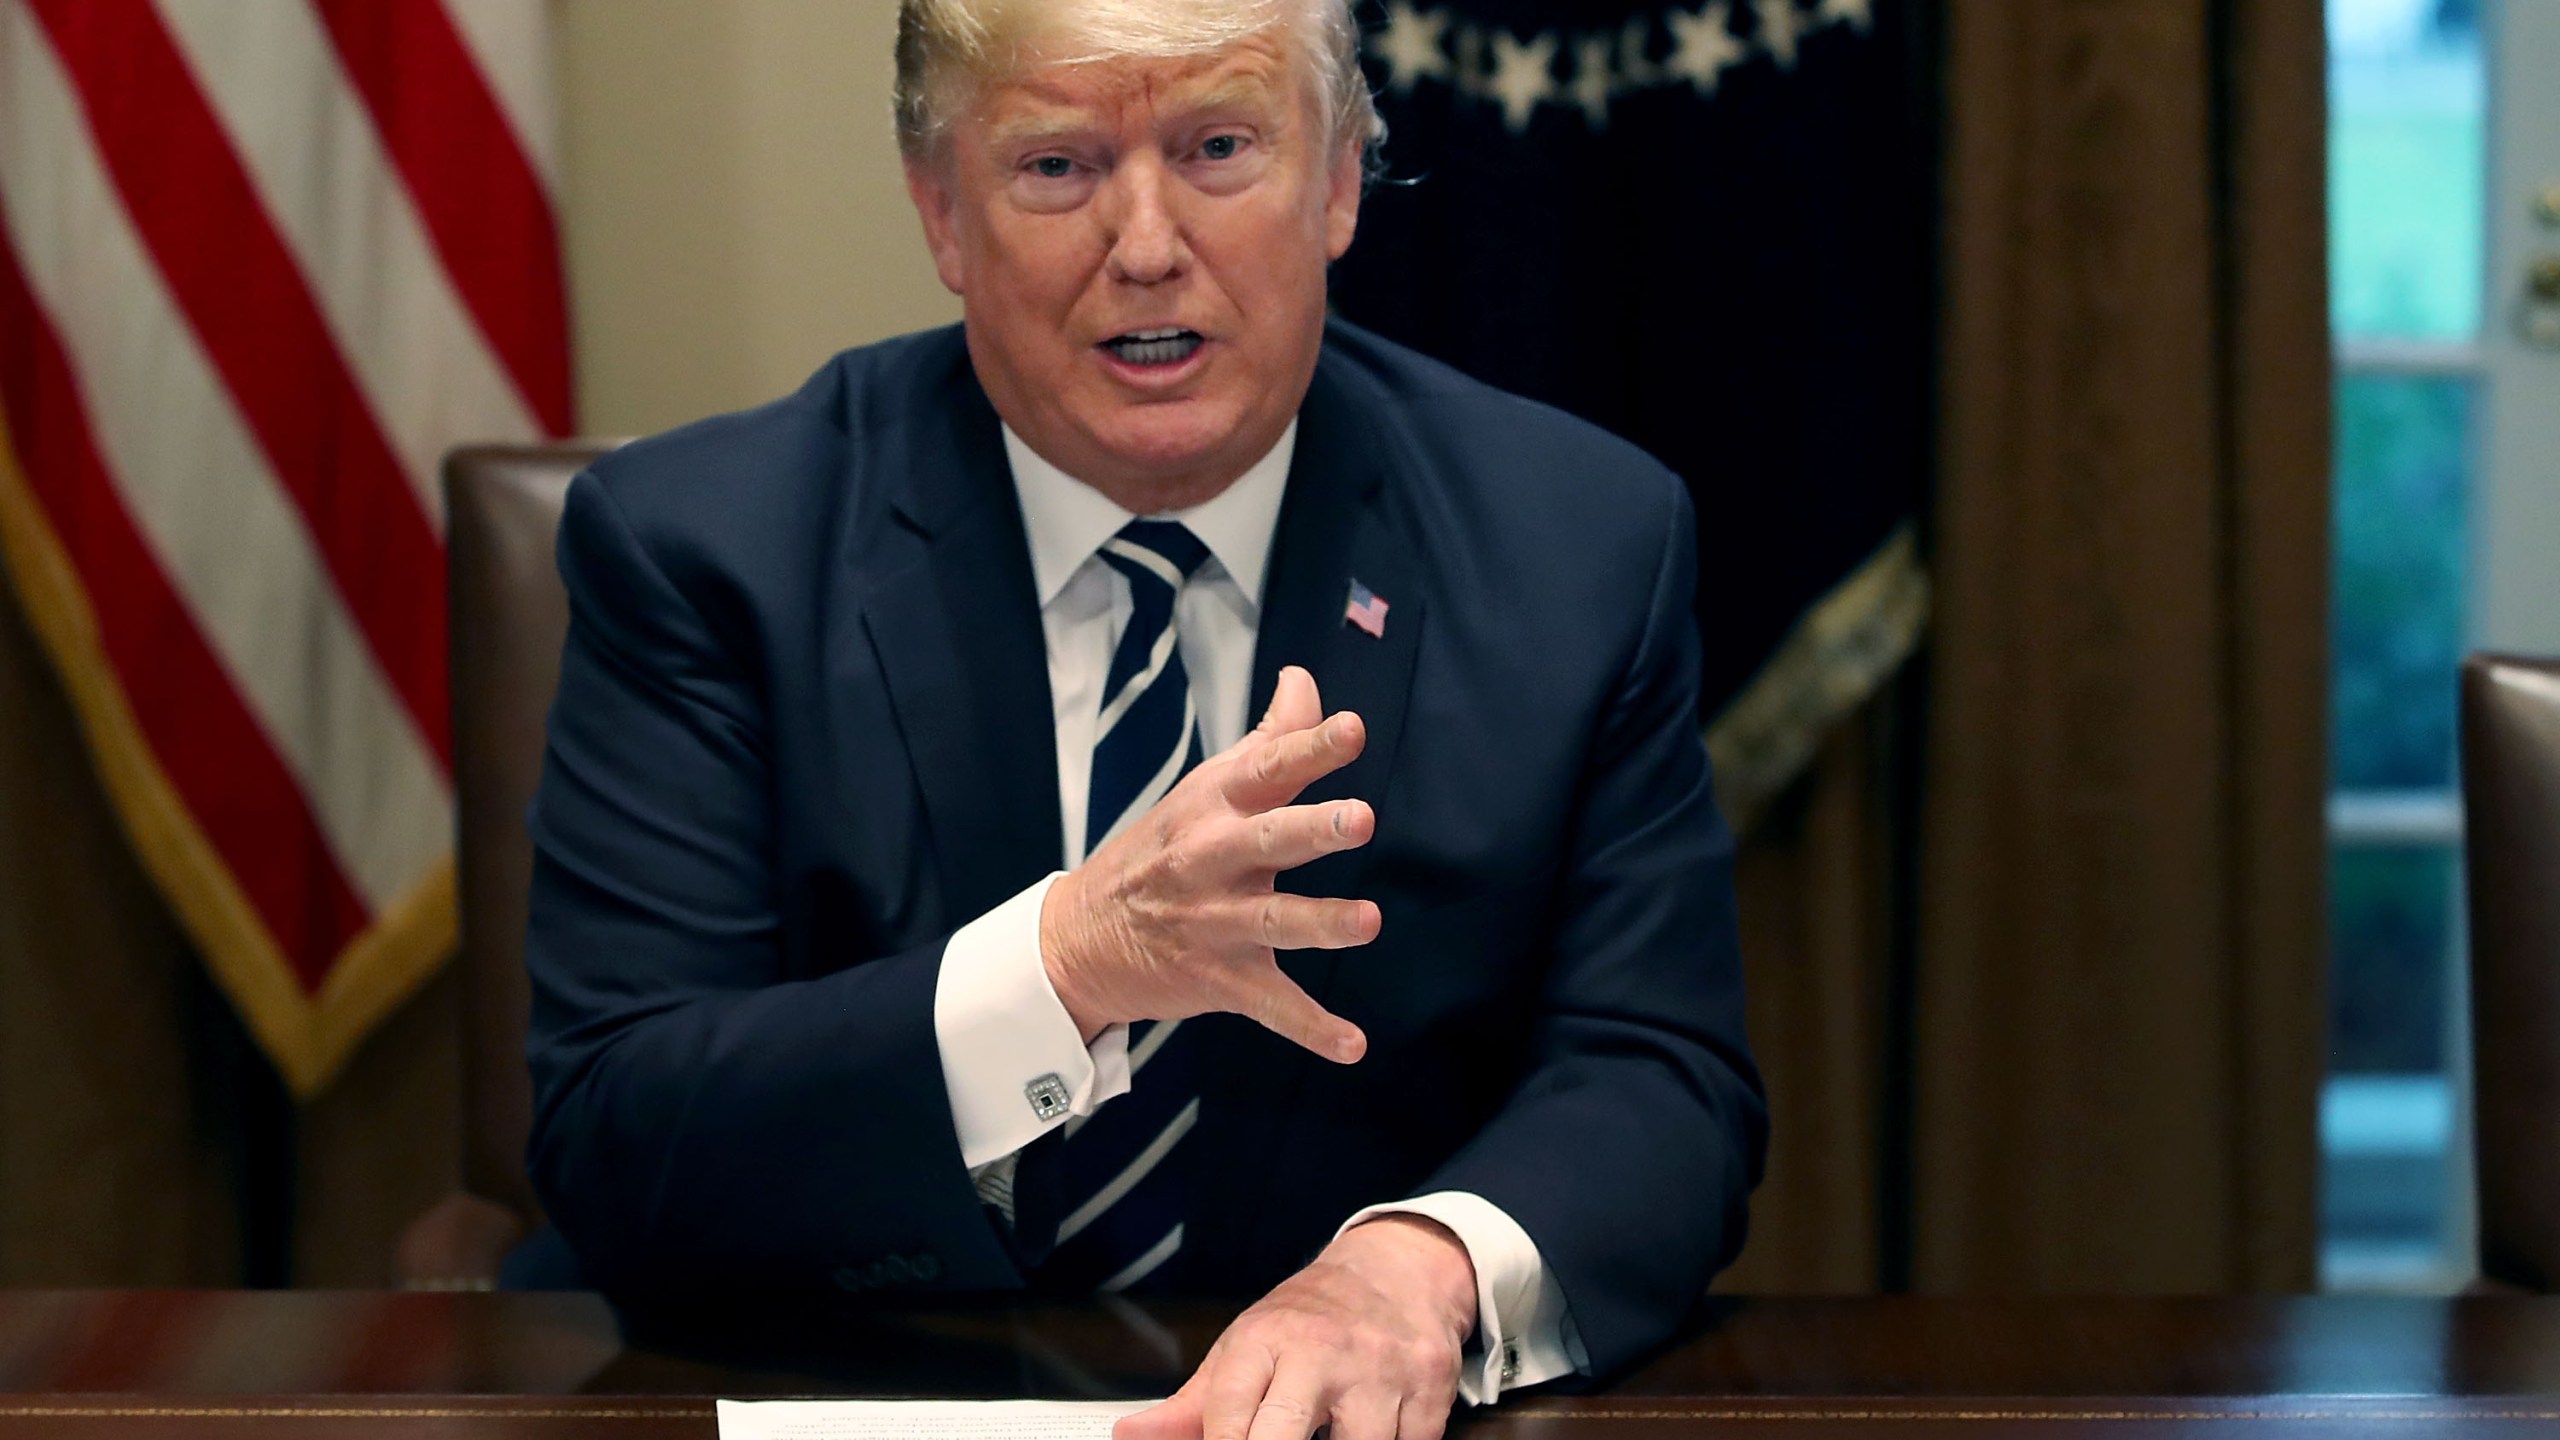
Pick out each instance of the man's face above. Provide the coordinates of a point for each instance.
(1140, 250)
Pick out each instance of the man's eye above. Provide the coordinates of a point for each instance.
(1053, 167)
(1222, 147)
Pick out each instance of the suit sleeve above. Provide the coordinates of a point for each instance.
(1631, 1146)
(702, 1118)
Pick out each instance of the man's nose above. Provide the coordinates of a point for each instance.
(1147, 246)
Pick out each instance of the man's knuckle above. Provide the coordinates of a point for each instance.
(1285, 1407)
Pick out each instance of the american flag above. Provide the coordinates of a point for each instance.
(1366, 610)
(260, 265)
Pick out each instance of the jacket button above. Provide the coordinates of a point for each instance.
(848, 1278)
(928, 1268)
(896, 1270)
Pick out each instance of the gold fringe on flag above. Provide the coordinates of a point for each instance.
(1839, 653)
(309, 1038)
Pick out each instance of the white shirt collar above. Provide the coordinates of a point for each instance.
(1068, 520)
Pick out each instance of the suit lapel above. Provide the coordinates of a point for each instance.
(1337, 525)
(953, 620)
(958, 639)
(1335, 529)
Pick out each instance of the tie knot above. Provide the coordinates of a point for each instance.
(1165, 549)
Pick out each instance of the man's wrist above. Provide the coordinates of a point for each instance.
(1057, 942)
(1427, 1252)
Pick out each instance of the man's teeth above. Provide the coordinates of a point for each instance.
(1168, 346)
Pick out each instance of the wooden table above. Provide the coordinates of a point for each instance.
(314, 1366)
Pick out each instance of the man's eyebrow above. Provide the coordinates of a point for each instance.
(1038, 128)
(1232, 93)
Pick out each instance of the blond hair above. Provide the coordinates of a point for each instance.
(942, 42)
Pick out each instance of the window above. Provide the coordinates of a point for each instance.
(2408, 155)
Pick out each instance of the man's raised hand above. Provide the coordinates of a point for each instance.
(1177, 914)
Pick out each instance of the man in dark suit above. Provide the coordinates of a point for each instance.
(913, 908)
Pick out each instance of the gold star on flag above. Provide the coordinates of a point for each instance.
(1781, 26)
(1411, 46)
(1591, 80)
(1521, 75)
(1703, 47)
(1633, 62)
(1857, 14)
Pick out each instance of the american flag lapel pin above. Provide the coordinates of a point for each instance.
(1367, 609)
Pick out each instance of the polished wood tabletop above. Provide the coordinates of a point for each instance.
(315, 1366)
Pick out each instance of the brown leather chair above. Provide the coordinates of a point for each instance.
(508, 616)
(2511, 801)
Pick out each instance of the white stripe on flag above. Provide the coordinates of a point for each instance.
(318, 164)
(200, 490)
(510, 41)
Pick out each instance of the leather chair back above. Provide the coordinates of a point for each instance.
(509, 617)
(2511, 800)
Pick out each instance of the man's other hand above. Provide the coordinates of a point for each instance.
(1177, 915)
(1366, 1339)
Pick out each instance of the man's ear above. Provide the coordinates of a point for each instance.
(1342, 198)
(930, 186)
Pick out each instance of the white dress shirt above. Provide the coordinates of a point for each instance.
(999, 1022)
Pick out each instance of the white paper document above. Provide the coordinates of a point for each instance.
(928, 1419)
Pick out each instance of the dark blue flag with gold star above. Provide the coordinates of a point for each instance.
(1706, 227)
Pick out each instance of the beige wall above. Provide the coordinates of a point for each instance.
(730, 194)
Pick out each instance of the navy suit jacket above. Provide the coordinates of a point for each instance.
(803, 733)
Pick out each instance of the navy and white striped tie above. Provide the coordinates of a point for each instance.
(1125, 1171)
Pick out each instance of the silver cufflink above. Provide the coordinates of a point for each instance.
(1048, 1096)
(1510, 1361)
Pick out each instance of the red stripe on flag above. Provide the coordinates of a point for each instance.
(482, 202)
(243, 798)
(244, 295)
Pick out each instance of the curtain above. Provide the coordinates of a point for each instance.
(144, 1141)
(2070, 1040)
(117, 1167)
(2118, 1008)
(1822, 890)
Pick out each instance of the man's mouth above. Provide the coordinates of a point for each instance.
(1168, 346)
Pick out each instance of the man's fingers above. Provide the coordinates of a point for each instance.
(1276, 770)
(1275, 1002)
(1311, 922)
(1292, 835)
(1367, 1412)
(1294, 1405)
(1177, 1418)
(1232, 1382)
(1295, 705)
(1425, 1418)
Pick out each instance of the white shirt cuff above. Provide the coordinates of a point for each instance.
(1524, 1334)
(1012, 1061)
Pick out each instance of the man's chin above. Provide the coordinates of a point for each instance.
(1178, 451)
